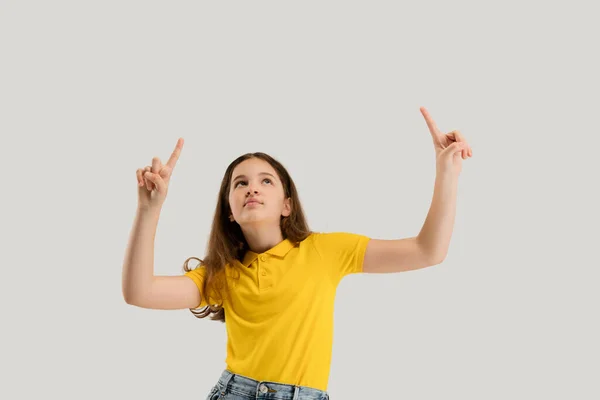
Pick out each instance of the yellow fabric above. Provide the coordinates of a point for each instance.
(279, 321)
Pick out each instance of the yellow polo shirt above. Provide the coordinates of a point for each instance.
(279, 320)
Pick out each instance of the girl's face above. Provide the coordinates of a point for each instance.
(255, 179)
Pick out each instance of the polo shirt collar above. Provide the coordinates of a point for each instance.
(279, 250)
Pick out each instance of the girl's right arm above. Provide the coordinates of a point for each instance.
(140, 287)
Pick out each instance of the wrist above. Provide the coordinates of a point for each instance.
(152, 210)
(445, 174)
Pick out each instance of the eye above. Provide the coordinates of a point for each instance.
(266, 179)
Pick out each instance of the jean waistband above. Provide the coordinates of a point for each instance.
(245, 386)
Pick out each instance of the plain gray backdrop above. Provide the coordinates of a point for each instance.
(91, 91)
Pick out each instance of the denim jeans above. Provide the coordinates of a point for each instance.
(232, 386)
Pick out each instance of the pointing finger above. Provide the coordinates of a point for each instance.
(433, 129)
(175, 156)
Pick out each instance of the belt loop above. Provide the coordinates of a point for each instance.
(229, 375)
(296, 392)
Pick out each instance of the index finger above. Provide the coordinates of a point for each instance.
(175, 156)
(430, 122)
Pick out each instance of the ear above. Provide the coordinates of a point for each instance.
(287, 207)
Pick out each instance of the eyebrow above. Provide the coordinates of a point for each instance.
(244, 176)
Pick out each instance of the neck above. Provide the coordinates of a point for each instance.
(260, 239)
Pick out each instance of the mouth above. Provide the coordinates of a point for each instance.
(251, 202)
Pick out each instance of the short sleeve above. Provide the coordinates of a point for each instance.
(197, 275)
(344, 252)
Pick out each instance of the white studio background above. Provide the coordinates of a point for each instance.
(91, 91)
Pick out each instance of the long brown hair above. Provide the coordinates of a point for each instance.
(226, 242)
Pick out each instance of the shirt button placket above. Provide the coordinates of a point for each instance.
(263, 271)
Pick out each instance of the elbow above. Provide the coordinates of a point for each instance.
(441, 259)
(431, 255)
(436, 259)
(136, 295)
(130, 298)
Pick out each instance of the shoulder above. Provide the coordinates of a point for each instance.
(338, 242)
(343, 252)
(200, 271)
(337, 238)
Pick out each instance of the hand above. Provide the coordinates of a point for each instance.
(450, 149)
(153, 181)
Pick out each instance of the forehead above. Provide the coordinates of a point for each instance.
(252, 166)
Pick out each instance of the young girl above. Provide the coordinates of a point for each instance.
(269, 276)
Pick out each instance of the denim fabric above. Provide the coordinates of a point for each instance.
(232, 386)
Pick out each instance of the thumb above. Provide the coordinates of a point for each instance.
(451, 150)
(165, 173)
(157, 180)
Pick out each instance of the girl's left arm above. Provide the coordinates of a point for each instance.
(434, 237)
(430, 246)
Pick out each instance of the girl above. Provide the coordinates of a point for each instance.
(269, 276)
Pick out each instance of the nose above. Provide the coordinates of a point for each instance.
(251, 188)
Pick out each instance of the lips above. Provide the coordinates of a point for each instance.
(252, 201)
